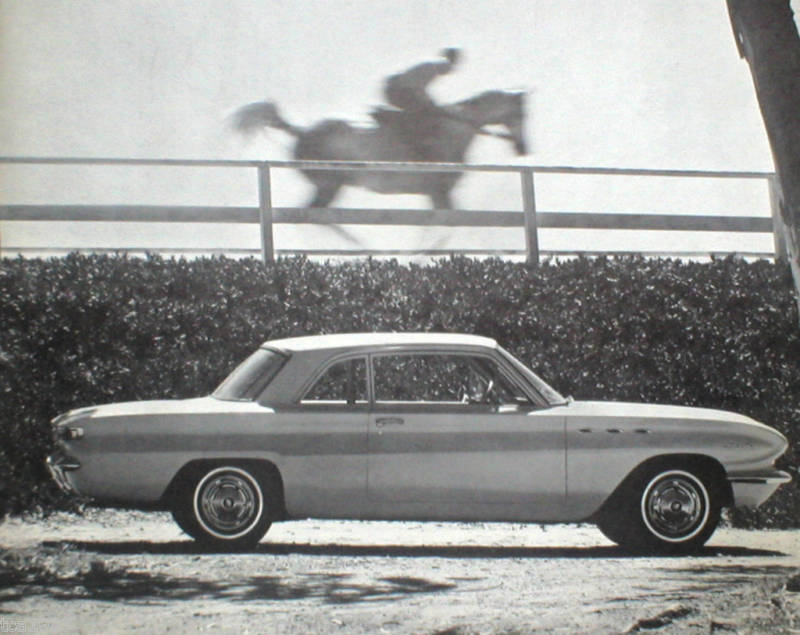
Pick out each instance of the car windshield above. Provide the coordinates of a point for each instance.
(251, 376)
(549, 394)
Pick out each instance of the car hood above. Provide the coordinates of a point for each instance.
(199, 405)
(683, 421)
(655, 414)
(639, 411)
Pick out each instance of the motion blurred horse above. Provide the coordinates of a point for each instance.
(442, 136)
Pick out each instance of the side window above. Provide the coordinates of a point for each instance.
(493, 385)
(343, 383)
(415, 378)
(443, 379)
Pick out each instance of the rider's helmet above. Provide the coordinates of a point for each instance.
(451, 54)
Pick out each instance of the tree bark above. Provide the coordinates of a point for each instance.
(767, 38)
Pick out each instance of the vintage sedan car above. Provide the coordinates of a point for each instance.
(419, 426)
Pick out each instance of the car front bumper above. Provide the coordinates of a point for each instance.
(750, 490)
(59, 465)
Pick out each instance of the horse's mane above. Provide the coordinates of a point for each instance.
(488, 94)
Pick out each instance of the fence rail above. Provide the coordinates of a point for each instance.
(266, 215)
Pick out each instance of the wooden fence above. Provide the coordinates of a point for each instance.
(528, 217)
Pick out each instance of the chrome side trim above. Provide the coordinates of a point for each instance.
(777, 478)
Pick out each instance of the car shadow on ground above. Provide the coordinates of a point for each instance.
(178, 547)
(120, 584)
(104, 579)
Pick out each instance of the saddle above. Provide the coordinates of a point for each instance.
(396, 118)
(418, 130)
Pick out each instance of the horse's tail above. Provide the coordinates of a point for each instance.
(255, 116)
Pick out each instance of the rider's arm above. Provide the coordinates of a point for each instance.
(422, 74)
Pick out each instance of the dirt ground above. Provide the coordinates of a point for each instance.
(115, 571)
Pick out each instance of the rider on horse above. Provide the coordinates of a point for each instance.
(418, 116)
(407, 90)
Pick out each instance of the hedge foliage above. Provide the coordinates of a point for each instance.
(83, 330)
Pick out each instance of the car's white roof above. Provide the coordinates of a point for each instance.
(359, 340)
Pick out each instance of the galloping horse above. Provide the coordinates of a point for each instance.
(442, 136)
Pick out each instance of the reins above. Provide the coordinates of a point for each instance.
(478, 128)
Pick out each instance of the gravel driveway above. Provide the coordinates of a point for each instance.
(130, 571)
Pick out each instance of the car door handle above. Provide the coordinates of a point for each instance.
(388, 421)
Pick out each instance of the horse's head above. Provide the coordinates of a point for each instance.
(504, 108)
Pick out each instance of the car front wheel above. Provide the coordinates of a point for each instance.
(668, 510)
(226, 507)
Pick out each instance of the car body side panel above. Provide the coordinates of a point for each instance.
(324, 467)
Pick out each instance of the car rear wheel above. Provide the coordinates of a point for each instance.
(226, 507)
(666, 510)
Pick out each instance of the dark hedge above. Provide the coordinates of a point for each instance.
(83, 330)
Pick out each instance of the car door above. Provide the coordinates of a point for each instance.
(448, 427)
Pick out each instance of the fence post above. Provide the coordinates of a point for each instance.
(778, 228)
(265, 213)
(529, 208)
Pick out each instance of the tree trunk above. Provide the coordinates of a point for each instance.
(767, 38)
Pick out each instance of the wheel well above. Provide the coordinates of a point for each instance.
(193, 468)
(698, 463)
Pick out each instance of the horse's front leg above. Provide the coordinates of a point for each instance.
(327, 189)
(325, 193)
(441, 199)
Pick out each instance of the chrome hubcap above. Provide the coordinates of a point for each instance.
(228, 503)
(675, 506)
